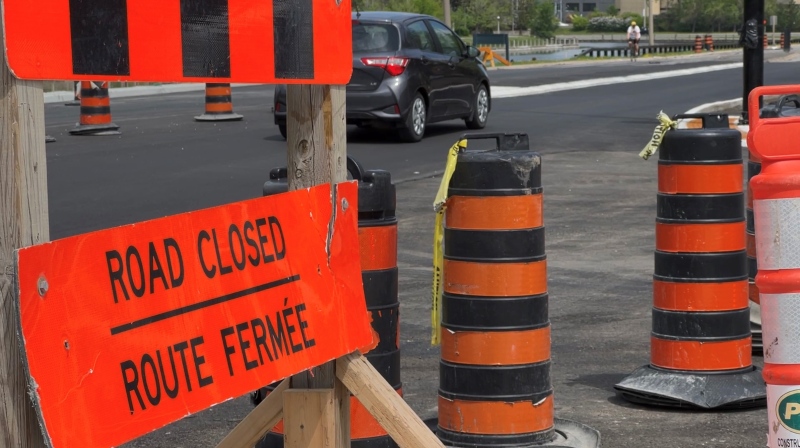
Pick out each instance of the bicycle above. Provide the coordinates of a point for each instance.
(633, 50)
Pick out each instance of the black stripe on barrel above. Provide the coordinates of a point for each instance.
(494, 384)
(700, 307)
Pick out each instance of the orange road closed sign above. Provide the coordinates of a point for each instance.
(128, 329)
(269, 41)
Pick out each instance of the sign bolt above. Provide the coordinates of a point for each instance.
(345, 204)
(43, 286)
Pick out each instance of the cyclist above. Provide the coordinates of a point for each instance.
(634, 34)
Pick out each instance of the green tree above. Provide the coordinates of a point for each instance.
(543, 22)
(612, 10)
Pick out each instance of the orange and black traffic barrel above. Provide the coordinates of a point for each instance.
(785, 106)
(377, 234)
(700, 346)
(219, 104)
(95, 111)
(753, 168)
(494, 375)
(698, 44)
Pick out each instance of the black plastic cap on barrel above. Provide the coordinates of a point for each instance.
(715, 142)
(277, 183)
(510, 169)
(377, 197)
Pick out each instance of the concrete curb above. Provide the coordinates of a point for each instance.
(126, 92)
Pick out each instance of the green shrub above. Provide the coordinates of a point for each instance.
(580, 23)
(607, 24)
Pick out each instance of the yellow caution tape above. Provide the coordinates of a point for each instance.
(439, 206)
(665, 125)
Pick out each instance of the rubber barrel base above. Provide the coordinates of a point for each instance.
(219, 117)
(719, 391)
(568, 434)
(95, 129)
(73, 103)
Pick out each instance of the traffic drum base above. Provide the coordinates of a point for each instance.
(720, 391)
(568, 434)
(219, 117)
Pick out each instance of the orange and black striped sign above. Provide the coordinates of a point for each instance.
(287, 41)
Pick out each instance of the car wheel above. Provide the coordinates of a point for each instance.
(481, 112)
(416, 121)
(282, 129)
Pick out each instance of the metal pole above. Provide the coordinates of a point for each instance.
(753, 51)
(446, 6)
(651, 29)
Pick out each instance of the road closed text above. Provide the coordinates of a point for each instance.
(160, 266)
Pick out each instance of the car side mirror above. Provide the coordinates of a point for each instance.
(472, 52)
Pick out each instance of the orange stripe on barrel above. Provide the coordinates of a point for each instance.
(695, 355)
(495, 279)
(700, 179)
(726, 237)
(751, 245)
(495, 417)
(95, 102)
(725, 296)
(501, 348)
(494, 212)
(96, 119)
(218, 91)
(753, 293)
(219, 107)
(378, 247)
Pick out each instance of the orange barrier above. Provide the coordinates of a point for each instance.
(777, 233)
(766, 41)
(698, 44)
(219, 106)
(95, 111)
(490, 55)
(709, 42)
(700, 346)
(494, 385)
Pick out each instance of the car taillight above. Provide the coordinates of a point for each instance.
(277, 107)
(393, 66)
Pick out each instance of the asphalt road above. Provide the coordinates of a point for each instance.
(599, 214)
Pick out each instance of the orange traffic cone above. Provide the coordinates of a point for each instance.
(95, 111)
(218, 104)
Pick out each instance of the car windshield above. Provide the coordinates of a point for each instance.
(375, 38)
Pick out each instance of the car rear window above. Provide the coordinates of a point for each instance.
(375, 37)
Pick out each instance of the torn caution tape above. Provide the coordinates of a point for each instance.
(439, 206)
(665, 124)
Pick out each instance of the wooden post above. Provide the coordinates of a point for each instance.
(317, 154)
(23, 222)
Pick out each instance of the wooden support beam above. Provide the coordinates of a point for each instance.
(383, 402)
(258, 422)
(313, 417)
(24, 221)
(317, 154)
